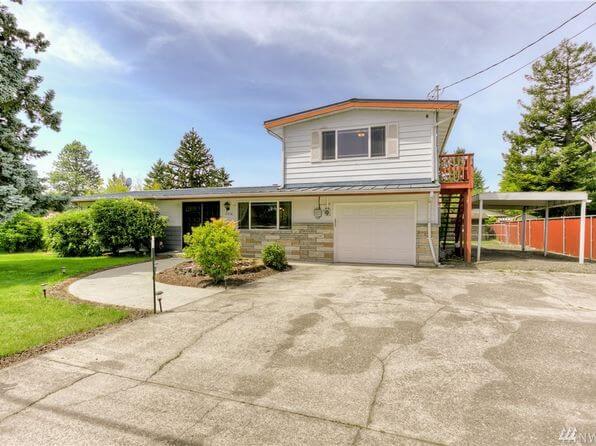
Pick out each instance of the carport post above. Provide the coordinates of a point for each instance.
(523, 230)
(479, 247)
(545, 236)
(582, 232)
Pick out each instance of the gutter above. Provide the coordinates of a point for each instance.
(283, 156)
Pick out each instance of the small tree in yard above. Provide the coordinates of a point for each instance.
(215, 246)
(70, 234)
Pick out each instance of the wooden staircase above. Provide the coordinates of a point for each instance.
(456, 173)
(452, 219)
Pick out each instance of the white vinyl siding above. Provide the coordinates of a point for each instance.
(413, 159)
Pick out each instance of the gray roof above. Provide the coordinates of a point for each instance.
(297, 189)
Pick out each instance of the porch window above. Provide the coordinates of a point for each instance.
(265, 215)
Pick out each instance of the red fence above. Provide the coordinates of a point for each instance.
(563, 235)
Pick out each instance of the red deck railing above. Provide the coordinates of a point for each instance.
(457, 170)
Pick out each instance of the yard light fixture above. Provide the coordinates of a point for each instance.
(63, 270)
(159, 293)
(43, 288)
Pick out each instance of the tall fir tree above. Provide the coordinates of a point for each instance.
(74, 173)
(23, 110)
(549, 150)
(159, 177)
(117, 184)
(193, 165)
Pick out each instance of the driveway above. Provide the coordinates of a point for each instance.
(334, 354)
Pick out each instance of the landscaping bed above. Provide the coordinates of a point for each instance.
(190, 274)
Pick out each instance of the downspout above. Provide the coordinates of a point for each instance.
(429, 235)
(283, 157)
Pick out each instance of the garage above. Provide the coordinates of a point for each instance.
(375, 233)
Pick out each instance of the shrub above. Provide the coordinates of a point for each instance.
(126, 222)
(71, 234)
(215, 246)
(274, 256)
(21, 232)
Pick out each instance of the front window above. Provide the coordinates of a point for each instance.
(353, 143)
(265, 215)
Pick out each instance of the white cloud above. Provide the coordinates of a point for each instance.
(67, 42)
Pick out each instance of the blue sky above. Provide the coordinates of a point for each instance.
(132, 77)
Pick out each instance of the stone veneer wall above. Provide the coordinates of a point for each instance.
(423, 255)
(311, 242)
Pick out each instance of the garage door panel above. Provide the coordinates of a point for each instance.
(376, 233)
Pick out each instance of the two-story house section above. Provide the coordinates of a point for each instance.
(361, 181)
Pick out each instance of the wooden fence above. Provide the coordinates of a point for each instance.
(563, 235)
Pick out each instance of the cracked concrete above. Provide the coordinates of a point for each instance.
(328, 354)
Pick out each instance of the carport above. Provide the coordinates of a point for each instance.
(526, 201)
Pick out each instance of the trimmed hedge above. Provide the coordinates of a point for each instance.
(215, 246)
(126, 222)
(21, 232)
(71, 234)
(274, 256)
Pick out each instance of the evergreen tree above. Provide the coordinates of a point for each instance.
(22, 111)
(549, 150)
(117, 184)
(74, 173)
(193, 165)
(159, 177)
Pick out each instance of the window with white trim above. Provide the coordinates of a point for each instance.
(265, 215)
(353, 143)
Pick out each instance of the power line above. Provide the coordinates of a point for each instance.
(521, 50)
(524, 66)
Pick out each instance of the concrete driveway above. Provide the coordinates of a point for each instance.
(347, 355)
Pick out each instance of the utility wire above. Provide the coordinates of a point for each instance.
(521, 50)
(524, 66)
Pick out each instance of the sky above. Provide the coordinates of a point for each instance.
(132, 77)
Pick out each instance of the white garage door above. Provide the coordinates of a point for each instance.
(375, 233)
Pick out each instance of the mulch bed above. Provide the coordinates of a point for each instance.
(190, 274)
(60, 291)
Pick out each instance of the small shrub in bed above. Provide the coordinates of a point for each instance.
(274, 256)
(71, 235)
(215, 246)
(21, 232)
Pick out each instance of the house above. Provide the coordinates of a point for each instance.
(361, 181)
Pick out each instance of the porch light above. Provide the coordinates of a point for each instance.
(227, 206)
(361, 134)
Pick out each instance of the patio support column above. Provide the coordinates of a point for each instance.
(545, 236)
(582, 232)
(523, 230)
(479, 247)
(468, 227)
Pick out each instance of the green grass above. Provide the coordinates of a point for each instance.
(27, 319)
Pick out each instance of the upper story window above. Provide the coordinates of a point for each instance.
(353, 143)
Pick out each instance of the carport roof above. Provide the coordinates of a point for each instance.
(519, 200)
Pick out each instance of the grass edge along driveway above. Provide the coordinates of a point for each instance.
(28, 320)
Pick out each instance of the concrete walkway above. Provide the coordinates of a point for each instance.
(130, 286)
(327, 355)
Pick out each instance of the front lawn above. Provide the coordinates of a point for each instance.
(27, 319)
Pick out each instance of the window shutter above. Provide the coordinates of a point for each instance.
(315, 146)
(393, 139)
